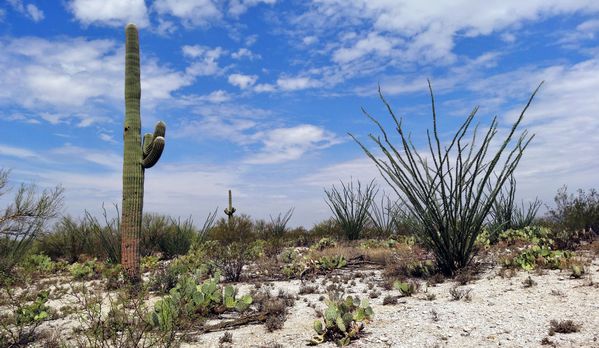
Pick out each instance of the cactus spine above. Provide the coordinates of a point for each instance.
(137, 157)
(230, 211)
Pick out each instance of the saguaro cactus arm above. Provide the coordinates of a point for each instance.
(153, 148)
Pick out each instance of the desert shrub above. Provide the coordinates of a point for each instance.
(19, 325)
(108, 235)
(573, 213)
(165, 235)
(275, 307)
(563, 326)
(177, 238)
(323, 243)
(343, 321)
(406, 288)
(24, 219)
(390, 300)
(71, 239)
(451, 188)
(505, 214)
(299, 237)
(278, 225)
(231, 246)
(458, 294)
(377, 243)
(119, 320)
(350, 205)
(288, 255)
(382, 216)
(68, 239)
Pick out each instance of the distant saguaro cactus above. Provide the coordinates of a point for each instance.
(137, 157)
(230, 210)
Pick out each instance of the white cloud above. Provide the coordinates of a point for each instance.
(296, 83)
(35, 13)
(373, 43)
(115, 13)
(107, 138)
(29, 10)
(75, 79)
(287, 144)
(419, 32)
(205, 60)
(12, 151)
(265, 87)
(218, 96)
(309, 40)
(75, 154)
(239, 7)
(191, 12)
(242, 81)
(245, 53)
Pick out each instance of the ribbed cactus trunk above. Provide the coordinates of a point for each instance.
(136, 159)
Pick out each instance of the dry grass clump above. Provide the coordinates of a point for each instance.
(460, 294)
(308, 289)
(390, 300)
(563, 326)
(274, 307)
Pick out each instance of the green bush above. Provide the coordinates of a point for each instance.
(23, 219)
(350, 205)
(505, 214)
(68, 240)
(231, 246)
(18, 326)
(575, 218)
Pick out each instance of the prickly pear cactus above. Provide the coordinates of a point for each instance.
(137, 157)
(343, 321)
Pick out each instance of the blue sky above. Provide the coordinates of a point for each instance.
(259, 95)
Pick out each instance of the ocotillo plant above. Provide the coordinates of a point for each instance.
(137, 157)
(230, 210)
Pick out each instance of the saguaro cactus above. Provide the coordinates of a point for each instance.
(137, 157)
(230, 211)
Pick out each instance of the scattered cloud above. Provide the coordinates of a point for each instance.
(192, 13)
(239, 7)
(245, 53)
(287, 144)
(242, 81)
(74, 79)
(309, 40)
(29, 10)
(113, 13)
(205, 60)
(18, 152)
(373, 43)
(296, 83)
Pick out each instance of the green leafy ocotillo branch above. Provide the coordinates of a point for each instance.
(137, 157)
